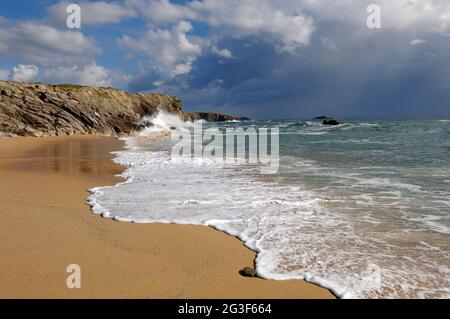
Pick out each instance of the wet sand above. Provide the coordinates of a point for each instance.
(47, 225)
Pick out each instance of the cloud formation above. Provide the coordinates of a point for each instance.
(90, 75)
(223, 53)
(287, 29)
(171, 51)
(35, 42)
(264, 58)
(23, 73)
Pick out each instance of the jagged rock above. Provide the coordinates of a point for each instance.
(331, 122)
(248, 272)
(48, 110)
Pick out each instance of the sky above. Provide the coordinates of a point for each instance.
(266, 59)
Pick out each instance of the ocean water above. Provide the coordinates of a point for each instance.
(362, 208)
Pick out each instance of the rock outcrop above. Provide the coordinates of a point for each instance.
(47, 110)
(328, 120)
(331, 122)
(214, 117)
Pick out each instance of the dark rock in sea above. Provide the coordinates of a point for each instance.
(331, 122)
(214, 117)
(248, 272)
(321, 117)
(47, 110)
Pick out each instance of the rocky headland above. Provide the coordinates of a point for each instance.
(36, 109)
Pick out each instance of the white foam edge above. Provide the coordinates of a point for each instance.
(262, 256)
(220, 225)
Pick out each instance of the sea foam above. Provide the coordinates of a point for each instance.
(356, 234)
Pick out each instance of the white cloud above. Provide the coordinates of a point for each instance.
(224, 53)
(419, 15)
(286, 28)
(417, 41)
(90, 75)
(92, 13)
(24, 73)
(396, 15)
(171, 51)
(275, 20)
(40, 44)
(286, 23)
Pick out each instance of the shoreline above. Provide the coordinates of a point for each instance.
(47, 225)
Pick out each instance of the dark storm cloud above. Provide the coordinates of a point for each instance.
(342, 73)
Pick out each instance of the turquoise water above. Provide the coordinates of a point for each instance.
(362, 208)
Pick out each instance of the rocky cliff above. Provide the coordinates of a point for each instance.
(42, 109)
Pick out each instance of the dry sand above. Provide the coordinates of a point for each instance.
(46, 225)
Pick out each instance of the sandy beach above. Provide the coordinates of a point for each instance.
(47, 225)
